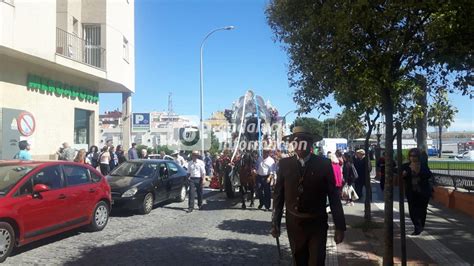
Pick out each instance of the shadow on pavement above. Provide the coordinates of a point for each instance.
(247, 227)
(47, 241)
(183, 251)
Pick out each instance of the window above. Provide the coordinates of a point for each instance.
(25, 189)
(163, 171)
(49, 176)
(76, 175)
(81, 126)
(75, 26)
(173, 168)
(147, 170)
(125, 49)
(95, 177)
(93, 54)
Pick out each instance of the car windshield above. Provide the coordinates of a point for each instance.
(10, 175)
(136, 169)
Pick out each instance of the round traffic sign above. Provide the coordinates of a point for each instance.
(26, 124)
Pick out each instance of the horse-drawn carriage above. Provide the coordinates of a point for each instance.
(256, 127)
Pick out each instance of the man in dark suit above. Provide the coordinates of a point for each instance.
(303, 183)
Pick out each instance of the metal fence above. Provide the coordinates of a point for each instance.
(457, 174)
(456, 168)
(78, 49)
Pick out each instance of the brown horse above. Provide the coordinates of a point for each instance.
(247, 178)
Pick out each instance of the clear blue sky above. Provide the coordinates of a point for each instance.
(168, 34)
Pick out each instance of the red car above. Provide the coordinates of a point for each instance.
(41, 199)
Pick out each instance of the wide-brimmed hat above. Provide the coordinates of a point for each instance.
(175, 153)
(301, 132)
(195, 153)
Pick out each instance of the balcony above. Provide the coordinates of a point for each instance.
(10, 2)
(80, 50)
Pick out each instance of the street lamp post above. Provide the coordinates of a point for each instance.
(202, 84)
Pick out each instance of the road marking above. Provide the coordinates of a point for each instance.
(331, 247)
(428, 243)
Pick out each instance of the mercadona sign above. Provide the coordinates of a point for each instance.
(60, 89)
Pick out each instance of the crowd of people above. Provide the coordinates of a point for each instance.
(288, 177)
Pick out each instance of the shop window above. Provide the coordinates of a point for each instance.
(82, 121)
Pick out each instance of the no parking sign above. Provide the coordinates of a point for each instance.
(26, 124)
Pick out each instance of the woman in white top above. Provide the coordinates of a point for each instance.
(104, 159)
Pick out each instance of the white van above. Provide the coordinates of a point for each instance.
(332, 144)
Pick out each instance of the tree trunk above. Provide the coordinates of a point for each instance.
(440, 143)
(401, 195)
(388, 189)
(422, 122)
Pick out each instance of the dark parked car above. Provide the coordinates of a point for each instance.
(41, 199)
(140, 184)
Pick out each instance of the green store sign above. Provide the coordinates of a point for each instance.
(60, 89)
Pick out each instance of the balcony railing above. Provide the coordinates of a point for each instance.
(11, 2)
(71, 46)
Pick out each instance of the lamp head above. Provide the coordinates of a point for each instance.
(229, 28)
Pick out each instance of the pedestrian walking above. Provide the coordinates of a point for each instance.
(336, 168)
(265, 170)
(304, 182)
(143, 154)
(197, 172)
(418, 189)
(132, 152)
(350, 175)
(81, 157)
(93, 156)
(24, 153)
(66, 153)
(361, 164)
(120, 154)
(179, 159)
(208, 163)
(104, 160)
(114, 161)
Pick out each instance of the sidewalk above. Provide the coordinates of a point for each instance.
(447, 240)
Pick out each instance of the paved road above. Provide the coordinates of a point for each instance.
(221, 234)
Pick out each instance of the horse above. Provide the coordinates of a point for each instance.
(247, 178)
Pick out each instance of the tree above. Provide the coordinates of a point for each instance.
(350, 125)
(215, 147)
(366, 48)
(441, 115)
(315, 126)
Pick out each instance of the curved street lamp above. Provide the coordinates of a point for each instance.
(202, 83)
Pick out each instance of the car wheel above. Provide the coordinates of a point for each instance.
(147, 204)
(182, 194)
(100, 217)
(7, 240)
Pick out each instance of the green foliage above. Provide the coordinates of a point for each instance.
(315, 126)
(441, 112)
(214, 144)
(163, 148)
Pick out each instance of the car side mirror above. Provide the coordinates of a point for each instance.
(39, 188)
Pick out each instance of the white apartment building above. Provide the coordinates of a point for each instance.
(56, 56)
(158, 131)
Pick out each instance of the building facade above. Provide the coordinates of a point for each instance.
(56, 56)
(157, 129)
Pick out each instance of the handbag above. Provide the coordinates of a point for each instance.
(346, 193)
